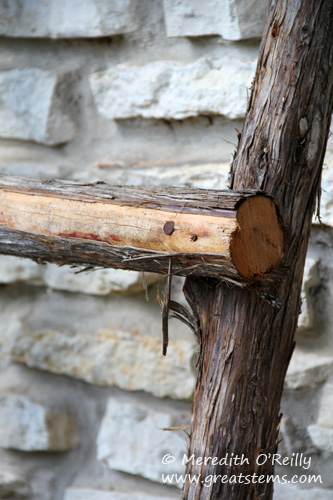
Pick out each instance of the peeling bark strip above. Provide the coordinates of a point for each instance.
(213, 233)
(245, 344)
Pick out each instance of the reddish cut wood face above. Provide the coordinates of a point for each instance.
(257, 246)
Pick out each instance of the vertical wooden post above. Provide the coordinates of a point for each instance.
(246, 337)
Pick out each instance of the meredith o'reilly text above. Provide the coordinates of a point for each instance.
(296, 460)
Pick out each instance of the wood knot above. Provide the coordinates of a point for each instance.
(169, 227)
(194, 237)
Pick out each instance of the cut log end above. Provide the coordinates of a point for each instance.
(257, 246)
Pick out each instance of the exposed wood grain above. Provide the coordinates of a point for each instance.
(257, 244)
(117, 225)
(205, 232)
(245, 342)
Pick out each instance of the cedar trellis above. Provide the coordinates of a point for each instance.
(244, 299)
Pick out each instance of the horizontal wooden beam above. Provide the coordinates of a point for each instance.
(232, 235)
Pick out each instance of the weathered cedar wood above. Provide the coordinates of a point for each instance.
(214, 233)
(245, 342)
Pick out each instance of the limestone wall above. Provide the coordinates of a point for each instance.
(134, 92)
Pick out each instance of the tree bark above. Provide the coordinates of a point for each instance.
(234, 235)
(246, 340)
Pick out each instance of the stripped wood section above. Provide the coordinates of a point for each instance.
(236, 235)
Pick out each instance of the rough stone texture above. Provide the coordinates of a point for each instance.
(109, 357)
(171, 90)
(13, 486)
(202, 175)
(308, 369)
(289, 491)
(14, 269)
(321, 433)
(31, 107)
(311, 281)
(131, 439)
(232, 19)
(98, 282)
(49, 474)
(63, 19)
(322, 437)
(89, 494)
(28, 426)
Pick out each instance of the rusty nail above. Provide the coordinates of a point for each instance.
(169, 227)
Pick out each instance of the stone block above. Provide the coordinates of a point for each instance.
(31, 107)
(322, 437)
(63, 19)
(109, 357)
(13, 486)
(173, 90)
(232, 19)
(29, 426)
(99, 282)
(308, 369)
(131, 439)
(93, 494)
(16, 269)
